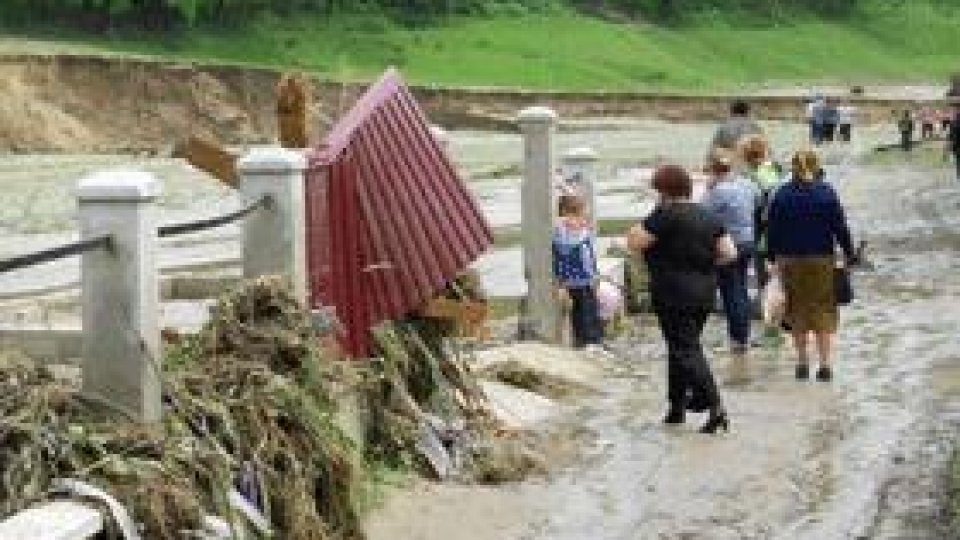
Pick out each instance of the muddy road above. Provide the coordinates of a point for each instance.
(858, 458)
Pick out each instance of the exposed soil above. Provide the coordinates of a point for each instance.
(107, 104)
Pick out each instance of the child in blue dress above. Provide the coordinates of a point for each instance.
(575, 269)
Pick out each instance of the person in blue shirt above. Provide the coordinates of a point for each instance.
(806, 224)
(575, 269)
(732, 201)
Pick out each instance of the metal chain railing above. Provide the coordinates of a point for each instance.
(175, 229)
(106, 241)
(54, 253)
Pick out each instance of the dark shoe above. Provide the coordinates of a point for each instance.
(824, 374)
(718, 420)
(803, 372)
(697, 403)
(676, 415)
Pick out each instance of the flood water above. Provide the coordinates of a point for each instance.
(859, 458)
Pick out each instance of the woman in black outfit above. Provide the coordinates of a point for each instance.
(682, 245)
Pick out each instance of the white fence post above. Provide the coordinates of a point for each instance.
(537, 196)
(579, 169)
(122, 359)
(274, 240)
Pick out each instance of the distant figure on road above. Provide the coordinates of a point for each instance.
(829, 120)
(928, 122)
(682, 245)
(845, 120)
(906, 126)
(953, 137)
(807, 223)
(575, 269)
(732, 200)
(737, 126)
(816, 116)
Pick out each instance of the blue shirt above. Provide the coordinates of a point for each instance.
(733, 202)
(807, 219)
(574, 255)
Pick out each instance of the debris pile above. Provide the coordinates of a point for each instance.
(251, 440)
(248, 440)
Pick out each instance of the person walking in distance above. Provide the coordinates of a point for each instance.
(953, 137)
(845, 116)
(732, 201)
(575, 269)
(906, 126)
(682, 244)
(807, 223)
(737, 126)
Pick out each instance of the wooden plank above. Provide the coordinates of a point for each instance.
(57, 520)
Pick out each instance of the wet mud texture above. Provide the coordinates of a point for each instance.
(858, 458)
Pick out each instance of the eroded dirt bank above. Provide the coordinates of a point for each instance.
(860, 458)
(85, 104)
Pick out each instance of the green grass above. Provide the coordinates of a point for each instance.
(571, 51)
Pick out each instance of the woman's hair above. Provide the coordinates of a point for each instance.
(754, 149)
(806, 165)
(570, 205)
(672, 181)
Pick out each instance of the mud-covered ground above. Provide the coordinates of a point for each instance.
(859, 458)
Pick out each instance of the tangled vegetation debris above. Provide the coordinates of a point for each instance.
(247, 411)
(250, 414)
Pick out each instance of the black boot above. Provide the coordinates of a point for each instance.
(718, 419)
(675, 415)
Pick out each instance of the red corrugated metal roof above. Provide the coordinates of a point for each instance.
(389, 220)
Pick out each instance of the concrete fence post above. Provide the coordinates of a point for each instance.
(274, 239)
(538, 125)
(122, 359)
(579, 167)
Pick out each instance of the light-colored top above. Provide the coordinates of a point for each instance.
(733, 201)
(845, 114)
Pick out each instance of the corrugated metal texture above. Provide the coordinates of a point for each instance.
(390, 221)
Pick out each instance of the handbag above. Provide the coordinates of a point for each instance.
(842, 287)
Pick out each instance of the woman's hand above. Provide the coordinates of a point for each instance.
(639, 240)
(725, 250)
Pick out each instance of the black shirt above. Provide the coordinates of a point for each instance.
(682, 259)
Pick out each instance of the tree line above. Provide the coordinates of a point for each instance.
(171, 14)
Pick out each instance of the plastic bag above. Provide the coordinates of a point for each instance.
(774, 302)
(609, 300)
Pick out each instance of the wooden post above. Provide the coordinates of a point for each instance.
(579, 169)
(538, 125)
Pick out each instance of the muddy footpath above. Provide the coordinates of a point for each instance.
(859, 458)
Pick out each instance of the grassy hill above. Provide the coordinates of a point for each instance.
(564, 49)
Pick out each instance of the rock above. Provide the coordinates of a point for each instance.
(518, 409)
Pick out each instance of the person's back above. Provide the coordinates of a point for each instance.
(733, 202)
(736, 127)
(807, 219)
(681, 262)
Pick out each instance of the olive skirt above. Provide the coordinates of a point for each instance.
(811, 298)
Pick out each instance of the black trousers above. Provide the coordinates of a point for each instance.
(690, 382)
(584, 317)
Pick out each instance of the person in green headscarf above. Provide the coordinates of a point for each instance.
(766, 176)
